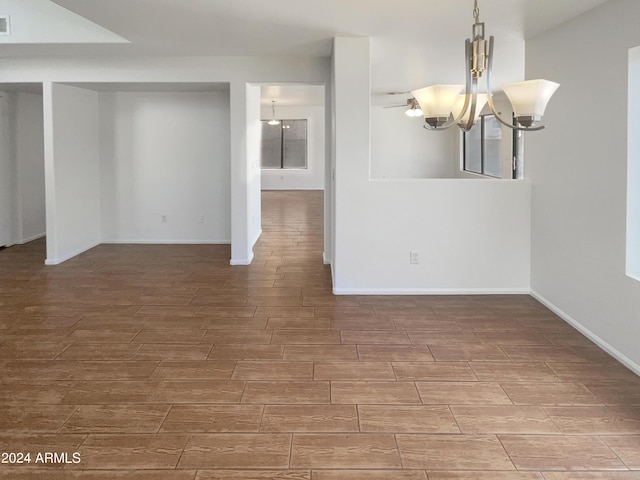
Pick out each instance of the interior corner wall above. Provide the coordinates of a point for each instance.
(311, 178)
(72, 171)
(7, 171)
(329, 156)
(165, 156)
(633, 167)
(402, 148)
(30, 166)
(472, 236)
(578, 167)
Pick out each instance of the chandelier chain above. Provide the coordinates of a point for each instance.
(476, 11)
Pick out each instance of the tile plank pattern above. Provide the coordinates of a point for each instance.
(164, 362)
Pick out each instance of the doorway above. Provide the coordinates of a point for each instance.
(294, 127)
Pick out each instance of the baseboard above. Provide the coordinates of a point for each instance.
(58, 261)
(292, 189)
(165, 242)
(32, 238)
(242, 261)
(626, 361)
(430, 291)
(246, 261)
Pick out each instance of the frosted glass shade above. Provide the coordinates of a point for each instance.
(481, 101)
(530, 98)
(437, 101)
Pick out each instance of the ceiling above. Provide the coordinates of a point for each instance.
(293, 95)
(408, 37)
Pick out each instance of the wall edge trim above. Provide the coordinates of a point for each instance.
(58, 261)
(241, 261)
(32, 238)
(167, 242)
(622, 358)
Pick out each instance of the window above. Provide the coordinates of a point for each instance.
(484, 149)
(284, 145)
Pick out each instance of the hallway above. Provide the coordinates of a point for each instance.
(164, 362)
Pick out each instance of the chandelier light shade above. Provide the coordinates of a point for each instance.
(529, 99)
(437, 102)
(443, 105)
(274, 120)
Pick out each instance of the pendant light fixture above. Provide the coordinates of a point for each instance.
(273, 120)
(446, 105)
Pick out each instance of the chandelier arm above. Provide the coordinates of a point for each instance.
(474, 105)
(490, 100)
(470, 84)
(471, 90)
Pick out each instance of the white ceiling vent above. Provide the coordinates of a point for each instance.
(5, 25)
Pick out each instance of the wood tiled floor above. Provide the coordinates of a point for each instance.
(165, 363)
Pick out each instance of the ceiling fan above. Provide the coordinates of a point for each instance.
(412, 106)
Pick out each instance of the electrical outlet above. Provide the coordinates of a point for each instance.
(163, 218)
(201, 219)
(414, 257)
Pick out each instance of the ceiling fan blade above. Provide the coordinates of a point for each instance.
(396, 106)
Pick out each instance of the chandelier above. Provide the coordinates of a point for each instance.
(274, 120)
(446, 105)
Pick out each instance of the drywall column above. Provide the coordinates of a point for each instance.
(578, 167)
(245, 171)
(351, 91)
(254, 152)
(72, 171)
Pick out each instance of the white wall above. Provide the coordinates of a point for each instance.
(578, 167)
(72, 171)
(30, 159)
(313, 177)
(402, 148)
(22, 195)
(165, 154)
(471, 235)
